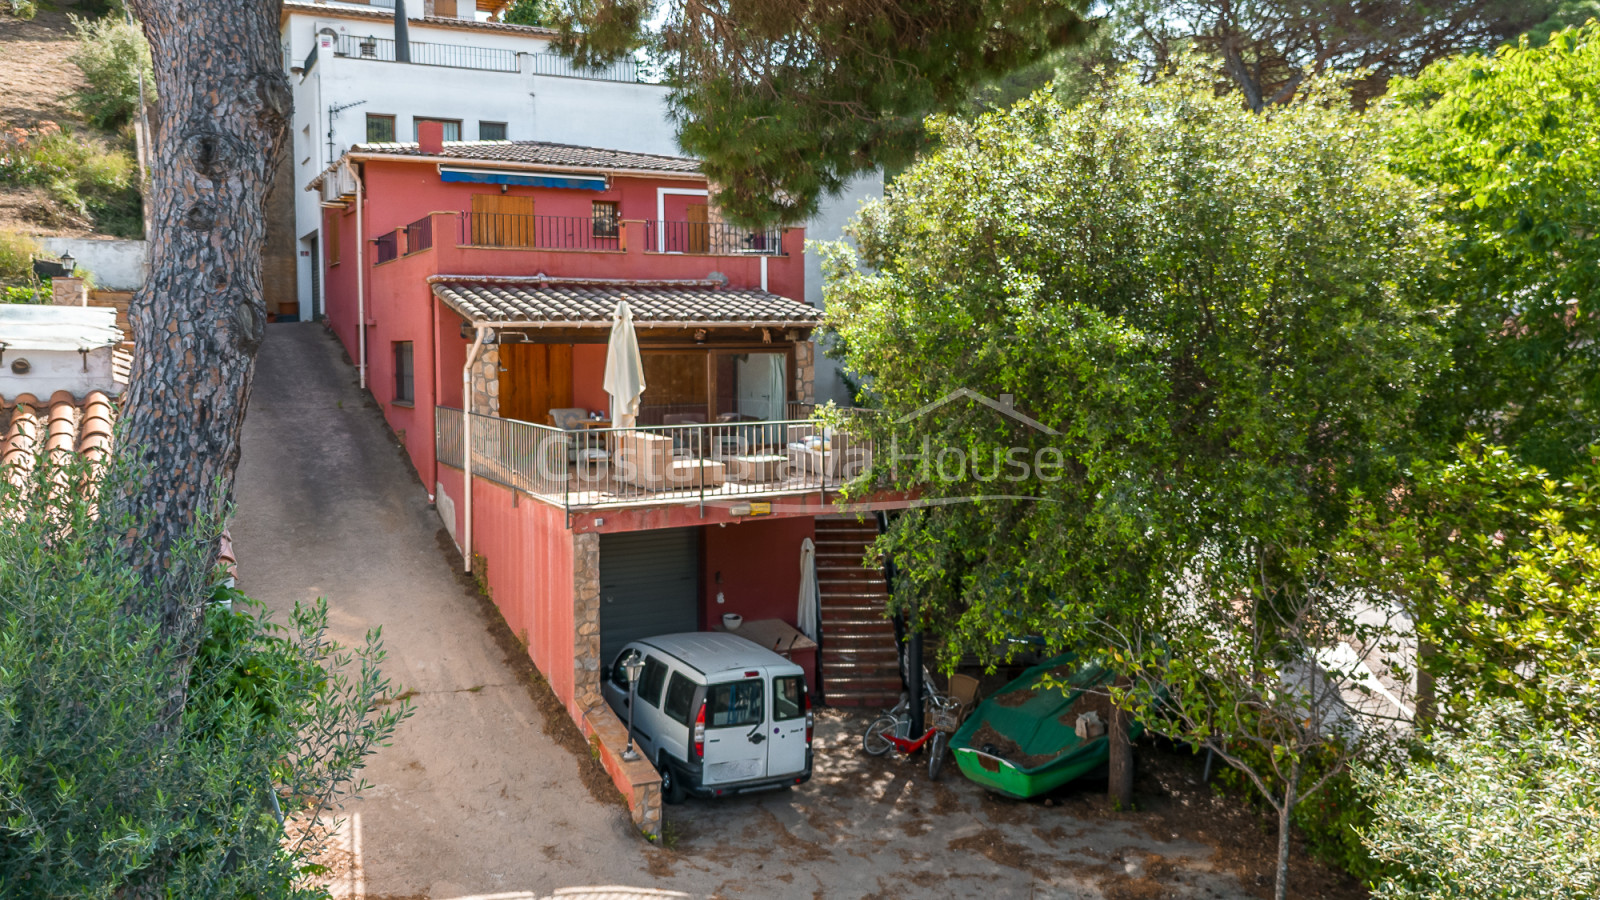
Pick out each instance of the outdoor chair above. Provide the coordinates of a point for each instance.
(965, 689)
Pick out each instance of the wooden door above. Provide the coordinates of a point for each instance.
(699, 228)
(537, 379)
(501, 220)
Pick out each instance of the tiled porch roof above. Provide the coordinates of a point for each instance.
(540, 153)
(589, 306)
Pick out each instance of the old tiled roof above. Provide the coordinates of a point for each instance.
(581, 306)
(387, 15)
(56, 428)
(32, 430)
(541, 153)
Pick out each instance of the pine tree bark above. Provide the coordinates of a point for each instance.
(200, 316)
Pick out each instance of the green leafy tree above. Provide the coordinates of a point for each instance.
(1502, 808)
(1497, 565)
(528, 12)
(1508, 142)
(787, 101)
(1216, 321)
(113, 55)
(109, 790)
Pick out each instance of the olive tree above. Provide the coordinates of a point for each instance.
(1197, 330)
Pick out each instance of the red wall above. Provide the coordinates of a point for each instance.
(758, 562)
(526, 553)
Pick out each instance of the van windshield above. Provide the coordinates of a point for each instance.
(735, 704)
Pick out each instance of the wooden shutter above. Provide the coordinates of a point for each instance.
(538, 378)
(446, 8)
(334, 244)
(699, 229)
(501, 220)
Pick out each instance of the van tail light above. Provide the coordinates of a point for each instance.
(811, 721)
(700, 731)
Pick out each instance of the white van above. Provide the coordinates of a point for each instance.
(716, 714)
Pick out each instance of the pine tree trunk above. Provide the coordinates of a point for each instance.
(1119, 786)
(200, 316)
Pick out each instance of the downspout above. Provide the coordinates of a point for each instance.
(361, 281)
(466, 446)
(433, 356)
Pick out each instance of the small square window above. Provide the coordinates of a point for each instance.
(380, 129)
(491, 131)
(606, 217)
(404, 389)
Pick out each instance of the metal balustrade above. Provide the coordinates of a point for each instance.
(713, 238)
(388, 246)
(708, 463)
(559, 66)
(419, 235)
(517, 231)
(423, 53)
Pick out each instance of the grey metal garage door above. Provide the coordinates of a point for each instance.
(649, 585)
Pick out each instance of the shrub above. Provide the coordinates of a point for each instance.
(91, 178)
(113, 54)
(22, 9)
(16, 257)
(124, 772)
(1506, 808)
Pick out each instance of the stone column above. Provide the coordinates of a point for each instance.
(805, 372)
(586, 619)
(486, 382)
(68, 292)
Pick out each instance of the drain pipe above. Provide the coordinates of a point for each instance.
(466, 446)
(361, 281)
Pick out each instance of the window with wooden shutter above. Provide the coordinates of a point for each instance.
(502, 220)
(332, 237)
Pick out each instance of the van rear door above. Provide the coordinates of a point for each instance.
(737, 730)
(786, 752)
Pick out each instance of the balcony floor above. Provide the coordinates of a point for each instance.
(592, 487)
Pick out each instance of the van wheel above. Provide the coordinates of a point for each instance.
(671, 790)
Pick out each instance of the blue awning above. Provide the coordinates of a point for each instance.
(527, 179)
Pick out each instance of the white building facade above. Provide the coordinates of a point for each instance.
(485, 81)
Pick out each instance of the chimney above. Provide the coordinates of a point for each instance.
(402, 33)
(430, 137)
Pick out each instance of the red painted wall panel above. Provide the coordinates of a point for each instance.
(758, 563)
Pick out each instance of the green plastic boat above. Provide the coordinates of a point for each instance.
(1022, 742)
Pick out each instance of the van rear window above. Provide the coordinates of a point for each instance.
(788, 698)
(735, 704)
(680, 693)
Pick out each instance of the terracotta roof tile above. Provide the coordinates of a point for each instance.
(541, 153)
(586, 306)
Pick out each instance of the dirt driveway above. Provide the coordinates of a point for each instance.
(485, 794)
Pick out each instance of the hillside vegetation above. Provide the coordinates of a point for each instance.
(67, 163)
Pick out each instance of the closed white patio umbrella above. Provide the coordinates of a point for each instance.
(624, 368)
(810, 600)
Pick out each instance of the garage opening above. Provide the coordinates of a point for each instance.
(649, 585)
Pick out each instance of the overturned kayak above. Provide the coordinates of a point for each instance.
(1023, 741)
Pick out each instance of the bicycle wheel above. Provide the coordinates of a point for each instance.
(936, 755)
(875, 741)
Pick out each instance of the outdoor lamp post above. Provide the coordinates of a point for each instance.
(68, 263)
(633, 665)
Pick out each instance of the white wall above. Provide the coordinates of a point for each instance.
(115, 265)
(828, 225)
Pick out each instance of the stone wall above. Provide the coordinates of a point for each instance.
(586, 620)
(279, 278)
(486, 382)
(805, 372)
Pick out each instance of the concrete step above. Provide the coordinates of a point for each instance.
(864, 699)
(866, 661)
